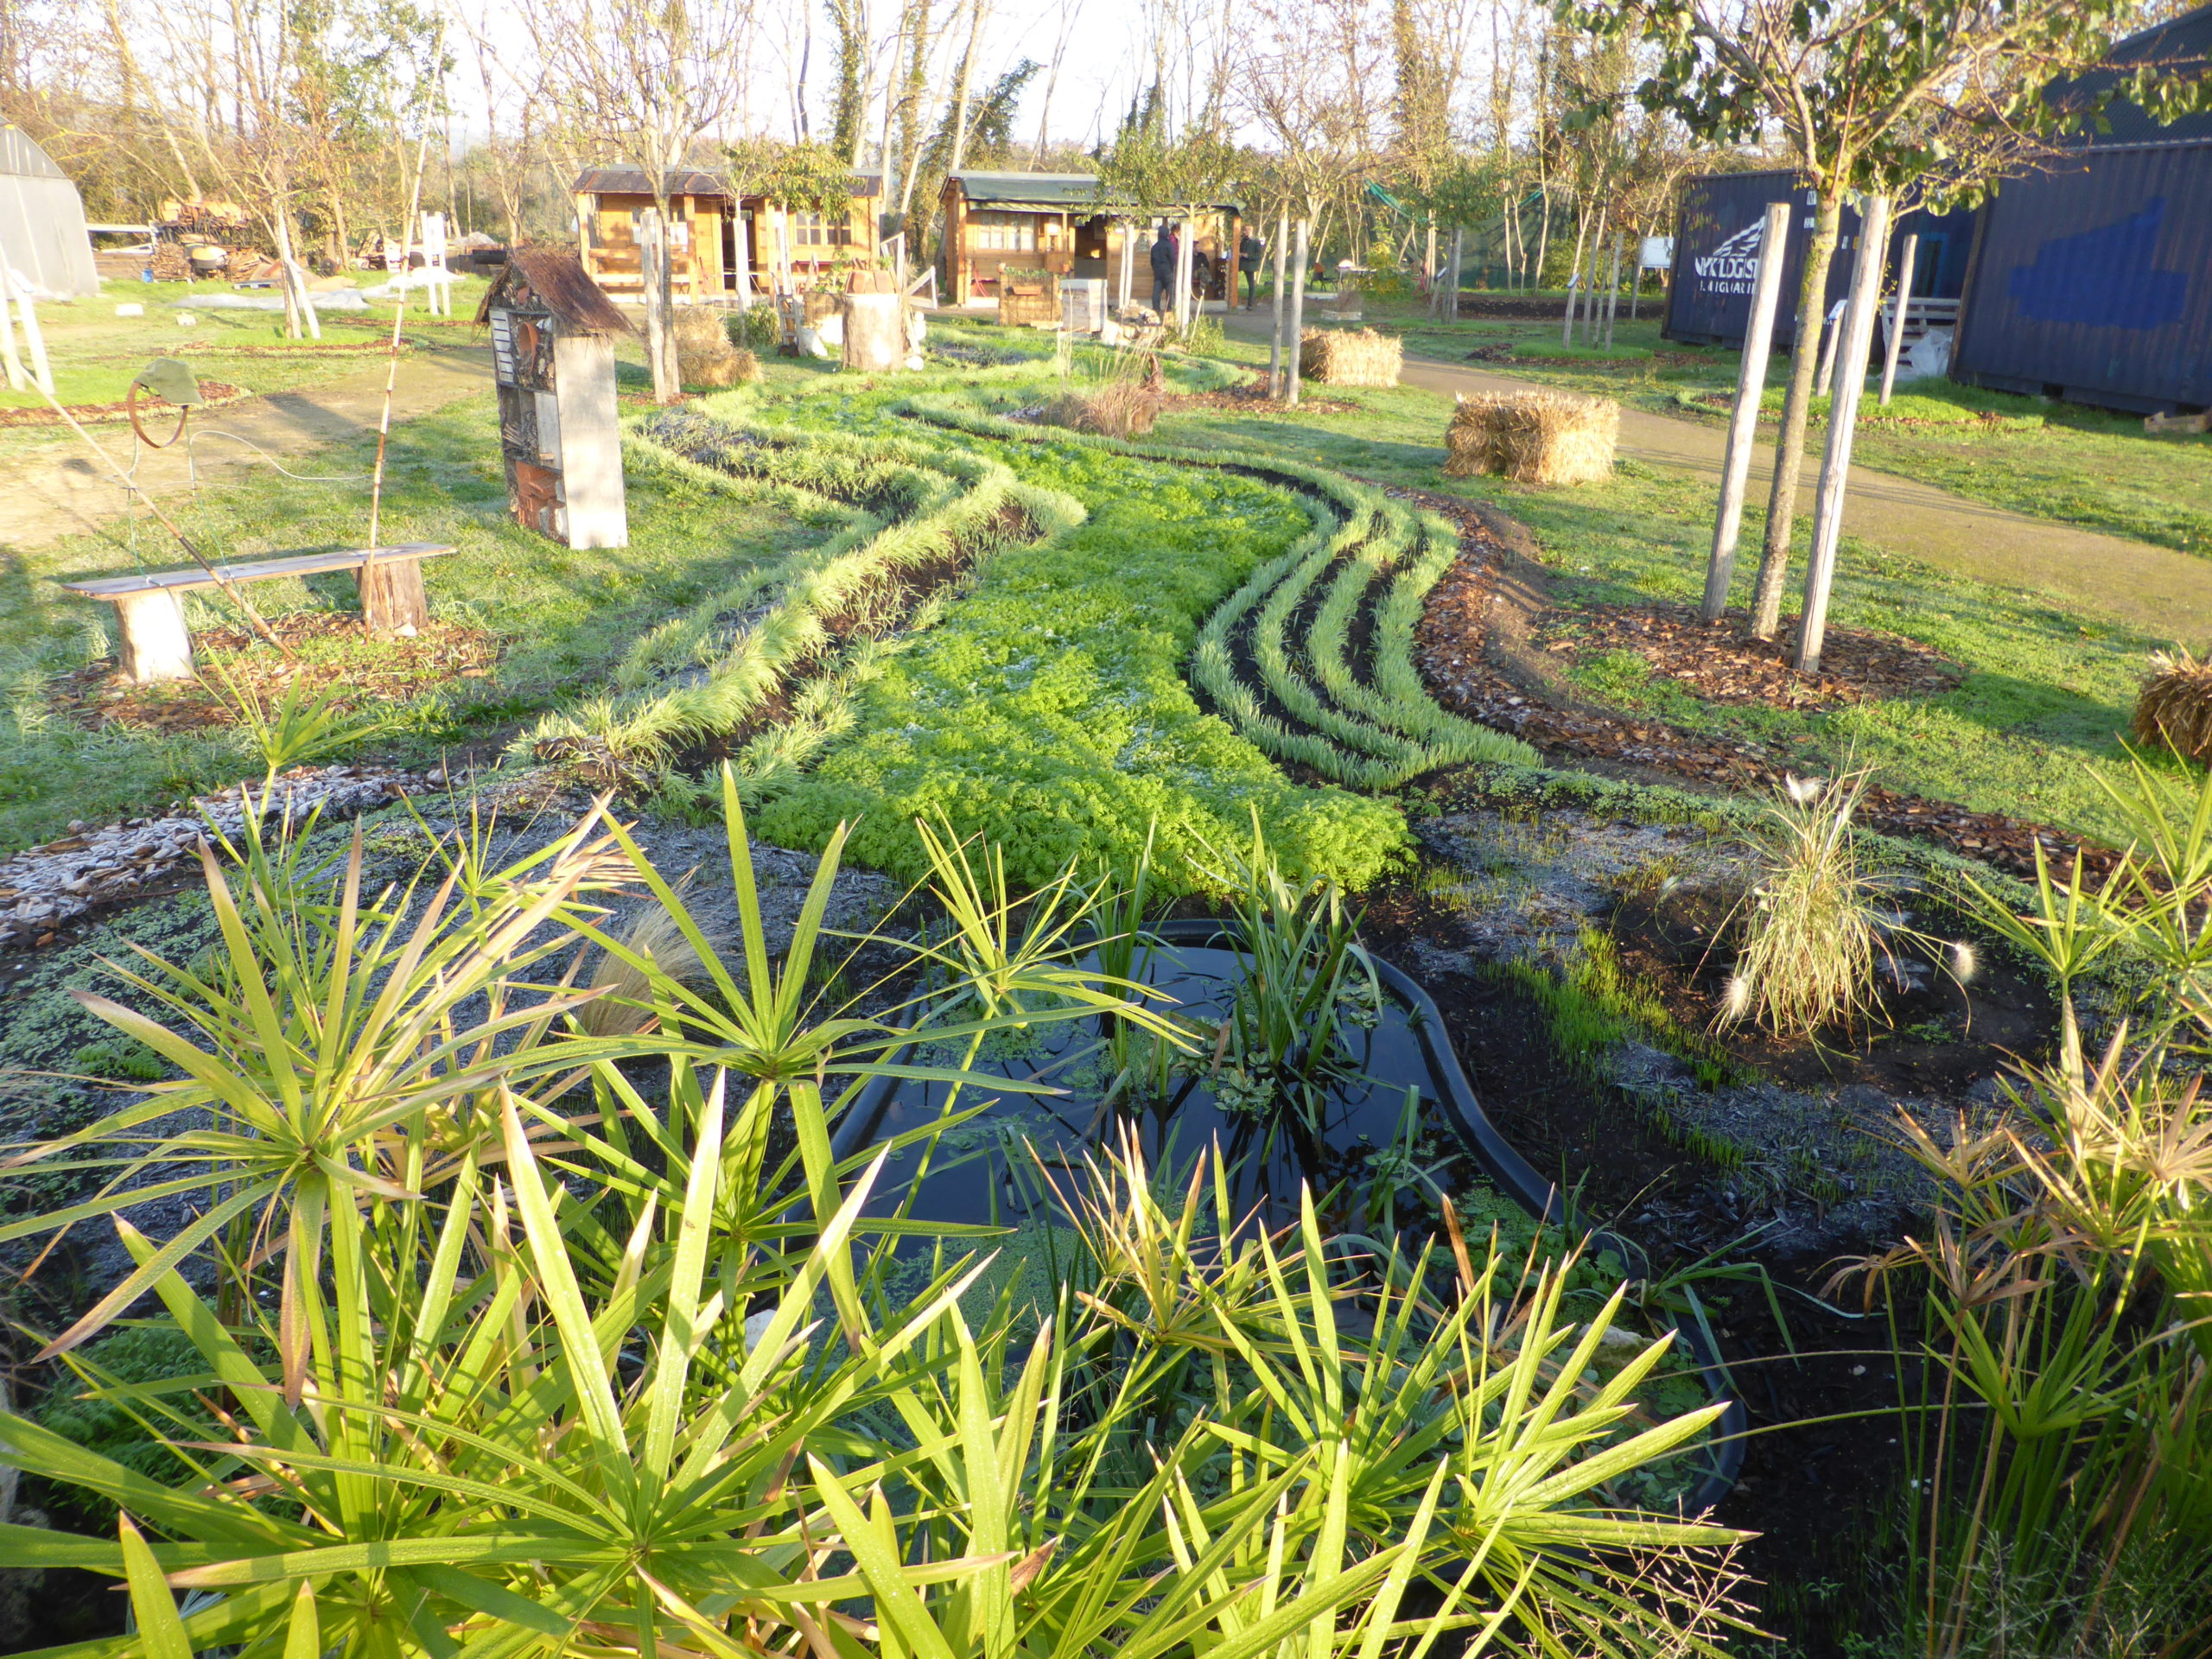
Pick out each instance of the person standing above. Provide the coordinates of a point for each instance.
(1166, 256)
(1250, 253)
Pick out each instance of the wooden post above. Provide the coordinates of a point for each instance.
(1612, 294)
(1451, 291)
(1185, 312)
(1296, 344)
(1833, 324)
(154, 643)
(1274, 348)
(1744, 422)
(393, 596)
(1896, 342)
(17, 380)
(1428, 264)
(1858, 333)
(1129, 263)
(742, 242)
(1574, 281)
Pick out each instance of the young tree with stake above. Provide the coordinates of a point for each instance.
(1873, 97)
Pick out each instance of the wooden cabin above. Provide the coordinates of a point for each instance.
(1063, 223)
(704, 233)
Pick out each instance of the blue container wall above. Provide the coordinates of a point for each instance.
(1716, 235)
(2093, 281)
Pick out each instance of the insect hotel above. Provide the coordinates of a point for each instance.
(553, 335)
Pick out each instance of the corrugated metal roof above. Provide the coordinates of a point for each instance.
(1053, 191)
(2181, 45)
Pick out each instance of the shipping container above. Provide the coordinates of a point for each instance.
(1716, 256)
(2091, 280)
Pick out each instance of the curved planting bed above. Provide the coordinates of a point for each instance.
(763, 670)
(1312, 657)
(1381, 1135)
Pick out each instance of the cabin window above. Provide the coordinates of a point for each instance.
(817, 230)
(1002, 232)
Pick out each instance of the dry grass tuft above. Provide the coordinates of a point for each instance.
(1120, 409)
(1534, 437)
(704, 355)
(2174, 708)
(625, 1007)
(1349, 357)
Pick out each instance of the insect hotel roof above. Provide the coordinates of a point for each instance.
(547, 280)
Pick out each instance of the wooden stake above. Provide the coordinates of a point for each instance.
(1833, 324)
(1896, 342)
(1612, 294)
(392, 363)
(1858, 333)
(1295, 346)
(1274, 348)
(1743, 420)
(17, 380)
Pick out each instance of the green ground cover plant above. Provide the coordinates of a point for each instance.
(1050, 709)
(2033, 729)
(2053, 460)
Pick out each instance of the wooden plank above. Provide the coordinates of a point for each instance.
(304, 564)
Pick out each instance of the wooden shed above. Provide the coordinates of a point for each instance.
(1064, 224)
(553, 333)
(712, 234)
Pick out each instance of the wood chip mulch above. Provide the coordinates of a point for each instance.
(1253, 394)
(1718, 664)
(216, 392)
(331, 650)
(1453, 645)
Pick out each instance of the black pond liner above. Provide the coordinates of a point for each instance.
(1411, 1049)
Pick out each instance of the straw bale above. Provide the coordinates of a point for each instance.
(2174, 708)
(704, 355)
(1533, 437)
(1349, 357)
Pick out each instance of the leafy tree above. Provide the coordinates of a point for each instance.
(1890, 96)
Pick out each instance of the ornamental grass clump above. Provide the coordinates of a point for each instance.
(1811, 927)
(2174, 708)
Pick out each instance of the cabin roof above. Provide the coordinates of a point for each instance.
(686, 182)
(1051, 192)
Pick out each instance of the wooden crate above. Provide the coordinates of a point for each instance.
(1027, 297)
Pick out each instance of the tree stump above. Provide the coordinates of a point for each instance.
(393, 596)
(875, 332)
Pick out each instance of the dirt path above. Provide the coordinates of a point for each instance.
(2157, 589)
(60, 488)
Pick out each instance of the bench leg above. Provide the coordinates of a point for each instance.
(392, 597)
(156, 644)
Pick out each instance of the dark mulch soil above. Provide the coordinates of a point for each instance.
(1719, 663)
(331, 650)
(1251, 394)
(1473, 668)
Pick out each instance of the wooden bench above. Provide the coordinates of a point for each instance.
(156, 645)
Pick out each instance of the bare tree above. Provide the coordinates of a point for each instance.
(649, 80)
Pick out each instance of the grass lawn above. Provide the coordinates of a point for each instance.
(2062, 461)
(560, 618)
(95, 353)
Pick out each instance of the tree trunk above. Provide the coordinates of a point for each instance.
(961, 99)
(1790, 446)
(653, 261)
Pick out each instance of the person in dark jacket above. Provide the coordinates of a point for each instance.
(1250, 253)
(1166, 256)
